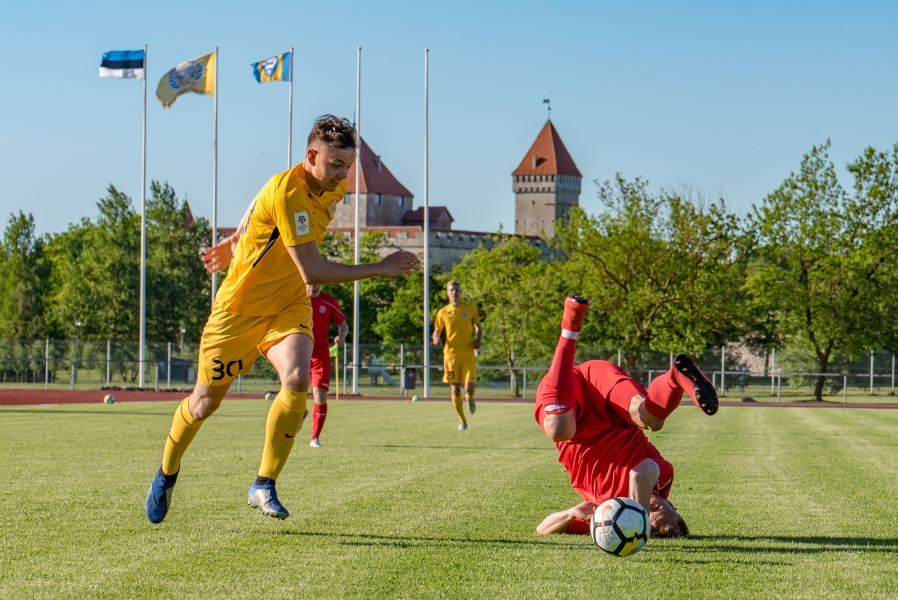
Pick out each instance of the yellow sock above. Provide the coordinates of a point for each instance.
(183, 430)
(284, 420)
(459, 408)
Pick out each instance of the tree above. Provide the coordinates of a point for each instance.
(24, 273)
(96, 273)
(505, 282)
(376, 293)
(829, 259)
(663, 270)
(178, 287)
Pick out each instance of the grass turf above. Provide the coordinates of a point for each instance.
(791, 503)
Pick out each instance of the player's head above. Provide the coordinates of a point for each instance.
(666, 521)
(313, 290)
(453, 290)
(330, 152)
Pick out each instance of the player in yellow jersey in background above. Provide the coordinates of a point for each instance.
(463, 336)
(263, 306)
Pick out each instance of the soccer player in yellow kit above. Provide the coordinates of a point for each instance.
(461, 322)
(263, 306)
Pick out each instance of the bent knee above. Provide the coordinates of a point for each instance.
(297, 380)
(646, 471)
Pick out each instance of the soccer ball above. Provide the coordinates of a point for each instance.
(415, 398)
(108, 399)
(269, 396)
(619, 526)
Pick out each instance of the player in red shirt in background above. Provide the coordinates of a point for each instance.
(325, 310)
(595, 412)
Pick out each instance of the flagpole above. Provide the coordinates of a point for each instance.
(356, 363)
(426, 232)
(215, 170)
(290, 114)
(143, 236)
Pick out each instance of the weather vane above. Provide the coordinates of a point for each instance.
(549, 102)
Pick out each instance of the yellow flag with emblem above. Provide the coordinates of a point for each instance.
(194, 76)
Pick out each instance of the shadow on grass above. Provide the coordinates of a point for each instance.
(396, 541)
(452, 447)
(789, 545)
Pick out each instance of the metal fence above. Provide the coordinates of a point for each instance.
(388, 368)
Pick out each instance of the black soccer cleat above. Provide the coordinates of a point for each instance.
(695, 384)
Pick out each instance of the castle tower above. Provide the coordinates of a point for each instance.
(384, 201)
(546, 185)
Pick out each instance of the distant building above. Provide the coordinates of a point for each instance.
(546, 185)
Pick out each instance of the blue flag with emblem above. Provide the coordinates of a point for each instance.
(276, 68)
(127, 64)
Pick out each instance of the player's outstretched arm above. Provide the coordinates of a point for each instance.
(317, 271)
(643, 478)
(559, 522)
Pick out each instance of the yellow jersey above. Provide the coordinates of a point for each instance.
(459, 322)
(263, 279)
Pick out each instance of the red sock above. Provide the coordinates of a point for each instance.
(557, 387)
(319, 414)
(664, 395)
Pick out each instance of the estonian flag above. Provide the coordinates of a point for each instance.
(276, 68)
(123, 63)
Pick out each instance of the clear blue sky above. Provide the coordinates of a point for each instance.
(724, 96)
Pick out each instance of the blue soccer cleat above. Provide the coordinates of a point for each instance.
(265, 497)
(159, 496)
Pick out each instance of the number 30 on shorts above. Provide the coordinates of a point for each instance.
(220, 368)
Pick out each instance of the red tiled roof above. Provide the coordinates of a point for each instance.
(552, 158)
(417, 215)
(374, 180)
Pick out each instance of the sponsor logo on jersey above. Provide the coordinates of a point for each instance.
(321, 309)
(464, 314)
(333, 209)
(302, 222)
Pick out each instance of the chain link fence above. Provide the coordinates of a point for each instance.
(737, 370)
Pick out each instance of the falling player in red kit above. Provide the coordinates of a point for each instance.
(595, 412)
(325, 310)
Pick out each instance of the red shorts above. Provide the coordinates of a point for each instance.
(321, 368)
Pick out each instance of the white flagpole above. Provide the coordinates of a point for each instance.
(356, 304)
(426, 234)
(215, 170)
(143, 237)
(290, 113)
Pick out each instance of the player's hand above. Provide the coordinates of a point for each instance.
(399, 263)
(435, 340)
(583, 510)
(339, 341)
(219, 256)
(476, 344)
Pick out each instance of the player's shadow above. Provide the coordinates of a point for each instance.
(398, 541)
(789, 545)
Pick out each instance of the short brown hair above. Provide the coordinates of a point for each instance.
(333, 131)
(670, 528)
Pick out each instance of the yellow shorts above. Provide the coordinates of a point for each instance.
(459, 369)
(231, 343)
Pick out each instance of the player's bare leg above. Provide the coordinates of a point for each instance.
(291, 357)
(319, 414)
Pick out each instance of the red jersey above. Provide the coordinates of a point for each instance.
(325, 309)
(605, 446)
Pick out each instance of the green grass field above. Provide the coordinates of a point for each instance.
(783, 503)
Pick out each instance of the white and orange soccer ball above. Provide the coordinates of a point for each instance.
(620, 526)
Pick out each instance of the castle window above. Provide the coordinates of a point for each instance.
(401, 200)
(347, 199)
(377, 198)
